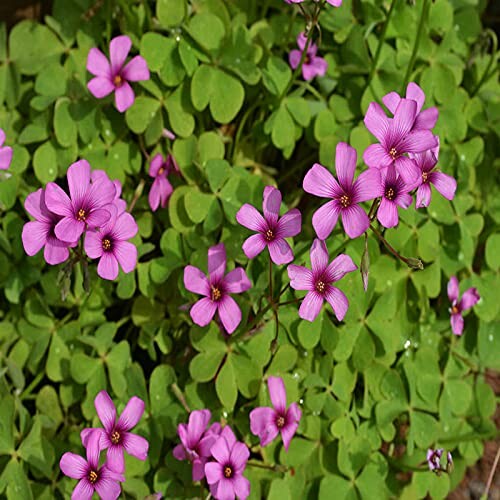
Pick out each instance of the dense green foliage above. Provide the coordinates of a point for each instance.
(377, 389)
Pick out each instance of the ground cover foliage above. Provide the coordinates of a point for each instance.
(377, 389)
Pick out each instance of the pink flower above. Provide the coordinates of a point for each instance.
(115, 437)
(40, 232)
(469, 299)
(196, 441)
(313, 65)
(424, 119)
(271, 230)
(397, 137)
(115, 76)
(87, 207)
(5, 153)
(92, 478)
(111, 247)
(318, 281)
(119, 203)
(161, 189)
(345, 194)
(445, 184)
(267, 422)
(225, 475)
(394, 195)
(216, 290)
(434, 459)
(168, 134)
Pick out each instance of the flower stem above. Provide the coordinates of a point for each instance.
(380, 43)
(423, 19)
(275, 467)
(137, 194)
(271, 300)
(410, 262)
(492, 474)
(494, 55)
(180, 396)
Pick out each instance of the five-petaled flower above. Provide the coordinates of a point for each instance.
(271, 229)
(5, 153)
(91, 477)
(161, 189)
(345, 194)
(394, 194)
(267, 422)
(445, 184)
(40, 232)
(115, 76)
(87, 207)
(397, 137)
(115, 437)
(216, 289)
(110, 245)
(196, 441)
(469, 299)
(225, 475)
(318, 282)
(313, 65)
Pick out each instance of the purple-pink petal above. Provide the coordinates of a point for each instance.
(217, 263)
(271, 204)
(5, 157)
(203, 311)
(239, 456)
(280, 251)
(355, 221)
(93, 244)
(403, 121)
(320, 182)
(260, 418)
(106, 410)
(339, 267)
(55, 251)
(387, 213)
(277, 393)
(119, 48)
(220, 450)
(126, 255)
(98, 64)
(248, 216)
(195, 281)
(108, 266)
(337, 299)
(290, 224)
(457, 323)
(254, 245)
(197, 423)
(136, 70)
(100, 86)
(229, 313)
(325, 219)
(84, 490)
(236, 281)
(34, 236)
(179, 452)
(294, 58)
(345, 164)
(69, 229)
(413, 91)
(469, 299)
(136, 445)
(376, 156)
(241, 487)
(376, 122)
(114, 458)
(73, 465)
(58, 201)
(452, 289)
(445, 184)
(131, 414)
(293, 417)
(426, 119)
(107, 486)
(367, 186)
(423, 196)
(319, 256)
(418, 141)
(407, 169)
(213, 471)
(124, 97)
(301, 278)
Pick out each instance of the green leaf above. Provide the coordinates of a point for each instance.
(208, 30)
(248, 376)
(170, 12)
(33, 46)
(140, 114)
(51, 81)
(47, 403)
(283, 128)
(45, 163)
(299, 109)
(197, 204)
(217, 171)
(227, 95)
(154, 47)
(64, 124)
(492, 252)
(225, 385)
(178, 105)
(210, 147)
(343, 488)
(277, 75)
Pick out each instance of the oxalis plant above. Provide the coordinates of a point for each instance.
(249, 249)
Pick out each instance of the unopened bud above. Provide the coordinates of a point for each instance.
(416, 264)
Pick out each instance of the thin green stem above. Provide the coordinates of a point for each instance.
(271, 300)
(288, 302)
(180, 396)
(33, 384)
(380, 43)
(274, 468)
(494, 55)
(410, 262)
(423, 18)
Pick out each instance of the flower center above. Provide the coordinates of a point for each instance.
(228, 471)
(93, 477)
(106, 244)
(216, 293)
(81, 215)
(454, 310)
(390, 194)
(118, 81)
(320, 287)
(269, 235)
(345, 200)
(115, 437)
(161, 170)
(280, 422)
(393, 152)
(425, 176)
